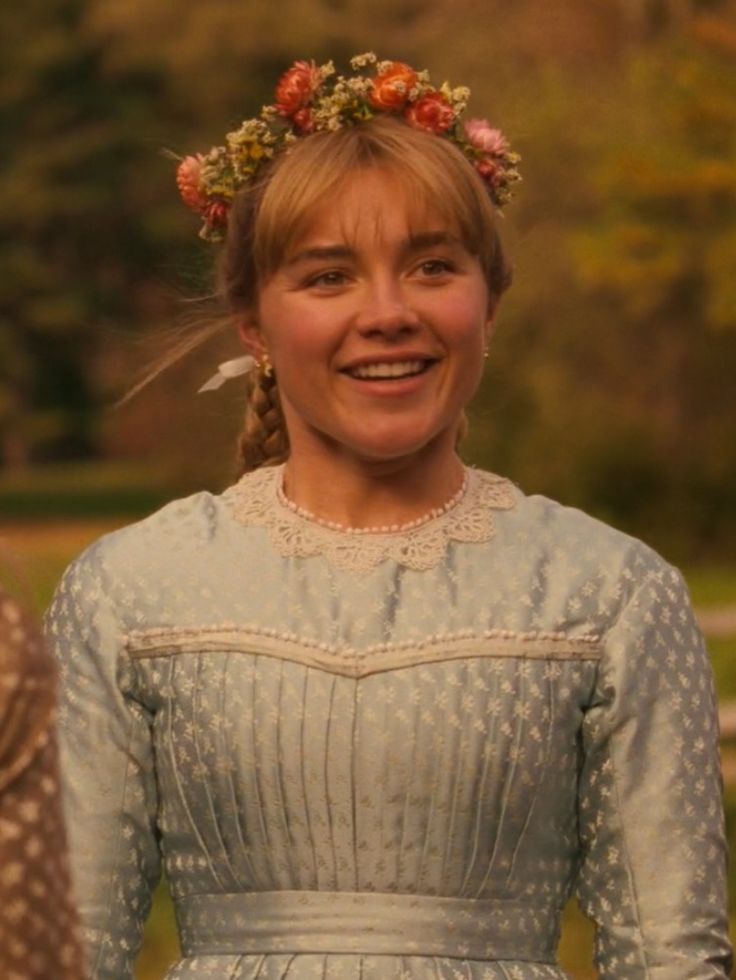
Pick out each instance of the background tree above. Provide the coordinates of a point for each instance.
(76, 237)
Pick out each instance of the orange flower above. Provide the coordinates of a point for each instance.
(432, 113)
(296, 87)
(187, 180)
(391, 88)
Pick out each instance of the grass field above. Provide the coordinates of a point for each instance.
(34, 552)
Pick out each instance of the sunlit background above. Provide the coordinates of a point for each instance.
(611, 379)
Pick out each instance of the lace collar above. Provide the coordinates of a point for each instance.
(256, 501)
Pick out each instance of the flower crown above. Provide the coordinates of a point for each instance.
(311, 99)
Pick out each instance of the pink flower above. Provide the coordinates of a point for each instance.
(391, 88)
(296, 87)
(188, 176)
(482, 136)
(432, 113)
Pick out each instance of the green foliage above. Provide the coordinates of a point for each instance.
(723, 658)
(73, 232)
(667, 195)
(82, 490)
(712, 585)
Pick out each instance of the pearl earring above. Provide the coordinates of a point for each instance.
(265, 366)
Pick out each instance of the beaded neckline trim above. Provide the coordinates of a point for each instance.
(388, 529)
(257, 500)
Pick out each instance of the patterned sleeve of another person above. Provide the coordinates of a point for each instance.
(38, 921)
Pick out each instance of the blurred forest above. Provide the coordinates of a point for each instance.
(611, 383)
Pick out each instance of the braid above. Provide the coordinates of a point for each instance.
(264, 441)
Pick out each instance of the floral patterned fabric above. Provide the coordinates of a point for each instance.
(390, 769)
(38, 922)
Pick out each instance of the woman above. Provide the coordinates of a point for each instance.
(380, 713)
(38, 921)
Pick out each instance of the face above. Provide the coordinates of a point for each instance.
(375, 326)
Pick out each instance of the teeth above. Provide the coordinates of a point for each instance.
(397, 369)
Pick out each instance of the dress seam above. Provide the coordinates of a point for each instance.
(357, 663)
(108, 932)
(629, 864)
(645, 583)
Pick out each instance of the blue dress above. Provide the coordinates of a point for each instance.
(391, 755)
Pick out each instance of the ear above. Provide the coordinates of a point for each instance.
(251, 335)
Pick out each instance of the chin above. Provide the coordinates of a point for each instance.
(395, 446)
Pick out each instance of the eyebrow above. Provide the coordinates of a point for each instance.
(321, 252)
(413, 243)
(426, 239)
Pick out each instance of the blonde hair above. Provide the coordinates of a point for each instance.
(268, 218)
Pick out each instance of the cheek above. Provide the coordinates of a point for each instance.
(295, 340)
(466, 338)
(465, 326)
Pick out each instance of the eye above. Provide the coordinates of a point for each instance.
(435, 268)
(330, 279)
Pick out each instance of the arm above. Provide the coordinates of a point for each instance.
(107, 770)
(653, 876)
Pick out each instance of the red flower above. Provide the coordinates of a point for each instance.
(391, 88)
(187, 180)
(491, 171)
(296, 87)
(215, 214)
(303, 120)
(432, 112)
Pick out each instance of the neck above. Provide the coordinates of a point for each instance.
(369, 494)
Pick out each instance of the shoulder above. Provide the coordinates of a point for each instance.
(120, 568)
(183, 526)
(536, 518)
(572, 550)
(187, 526)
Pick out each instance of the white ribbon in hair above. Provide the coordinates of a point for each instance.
(227, 370)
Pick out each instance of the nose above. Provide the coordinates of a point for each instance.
(385, 311)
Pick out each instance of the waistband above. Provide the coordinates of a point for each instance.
(369, 923)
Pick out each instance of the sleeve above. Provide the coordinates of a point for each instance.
(107, 770)
(38, 922)
(653, 873)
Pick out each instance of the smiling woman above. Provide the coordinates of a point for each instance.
(307, 230)
(375, 326)
(378, 713)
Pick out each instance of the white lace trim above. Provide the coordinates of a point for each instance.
(255, 502)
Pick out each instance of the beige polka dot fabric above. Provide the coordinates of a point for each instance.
(38, 922)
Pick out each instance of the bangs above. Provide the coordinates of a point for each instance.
(433, 176)
(435, 179)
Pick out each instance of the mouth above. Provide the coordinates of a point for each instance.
(389, 370)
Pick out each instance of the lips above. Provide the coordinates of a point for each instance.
(388, 370)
